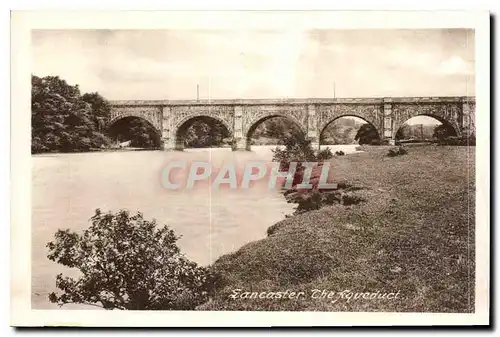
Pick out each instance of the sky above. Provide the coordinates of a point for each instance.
(239, 64)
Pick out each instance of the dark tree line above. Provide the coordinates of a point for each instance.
(63, 120)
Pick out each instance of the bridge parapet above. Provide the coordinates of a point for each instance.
(362, 100)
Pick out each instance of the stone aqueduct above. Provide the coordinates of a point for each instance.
(311, 115)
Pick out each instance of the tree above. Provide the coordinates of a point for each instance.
(205, 132)
(61, 121)
(404, 132)
(367, 134)
(443, 131)
(275, 129)
(138, 131)
(297, 148)
(340, 131)
(127, 262)
(101, 109)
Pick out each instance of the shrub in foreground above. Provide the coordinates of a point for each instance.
(127, 262)
(324, 154)
(398, 151)
(316, 199)
(297, 149)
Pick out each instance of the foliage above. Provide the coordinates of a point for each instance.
(316, 199)
(416, 132)
(127, 262)
(442, 131)
(339, 153)
(398, 151)
(275, 128)
(367, 134)
(324, 154)
(138, 131)
(205, 133)
(458, 141)
(64, 121)
(341, 131)
(297, 148)
(100, 109)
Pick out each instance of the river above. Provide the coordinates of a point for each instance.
(67, 188)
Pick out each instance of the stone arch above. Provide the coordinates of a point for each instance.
(150, 114)
(117, 118)
(183, 124)
(252, 125)
(448, 114)
(371, 113)
(113, 121)
(440, 119)
(330, 121)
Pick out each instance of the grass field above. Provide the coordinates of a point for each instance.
(413, 234)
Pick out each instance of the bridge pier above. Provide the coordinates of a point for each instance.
(167, 135)
(167, 145)
(468, 123)
(239, 139)
(312, 127)
(388, 126)
(239, 144)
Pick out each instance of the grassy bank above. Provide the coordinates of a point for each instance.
(414, 233)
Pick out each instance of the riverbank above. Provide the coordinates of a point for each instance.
(413, 235)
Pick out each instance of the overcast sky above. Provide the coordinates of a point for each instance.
(168, 64)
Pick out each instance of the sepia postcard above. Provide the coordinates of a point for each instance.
(253, 168)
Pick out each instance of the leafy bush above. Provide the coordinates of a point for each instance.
(297, 149)
(398, 151)
(324, 154)
(339, 153)
(316, 199)
(126, 262)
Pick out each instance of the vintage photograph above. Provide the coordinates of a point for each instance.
(253, 169)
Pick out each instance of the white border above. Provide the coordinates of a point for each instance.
(23, 22)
